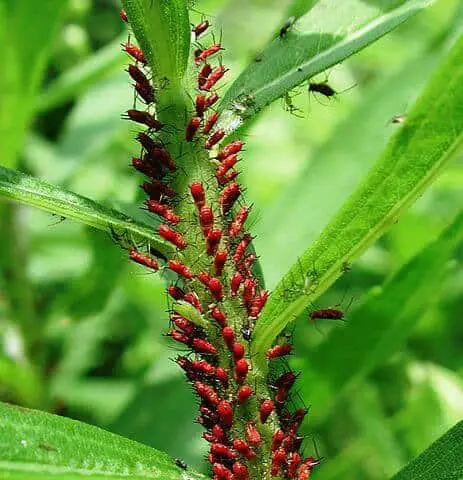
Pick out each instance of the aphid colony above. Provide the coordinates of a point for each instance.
(252, 432)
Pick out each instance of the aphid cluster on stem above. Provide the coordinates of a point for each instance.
(251, 429)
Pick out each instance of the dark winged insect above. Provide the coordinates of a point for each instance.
(286, 27)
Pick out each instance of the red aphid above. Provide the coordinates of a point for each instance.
(214, 77)
(225, 413)
(244, 449)
(157, 189)
(175, 292)
(258, 304)
(206, 219)
(135, 52)
(183, 324)
(215, 138)
(286, 380)
(144, 118)
(218, 433)
(231, 177)
(228, 197)
(253, 435)
(211, 100)
(212, 241)
(279, 351)
(208, 414)
(211, 121)
(204, 278)
(221, 450)
(235, 283)
(219, 262)
(240, 471)
(193, 299)
(218, 316)
(192, 128)
(277, 439)
(278, 459)
(327, 314)
(146, 92)
(244, 392)
(203, 367)
(238, 222)
(123, 15)
(228, 336)
(297, 418)
(200, 28)
(200, 105)
(147, 142)
(241, 370)
(163, 211)
(306, 468)
(249, 291)
(215, 287)
(197, 192)
(265, 410)
(174, 237)
(180, 269)
(179, 337)
(145, 168)
(230, 149)
(207, 52)
(241, 248)
(248, 262)
(221, 472)
(161, 155)
(203, 75)
(137, 75)
(227, 164)
(207, 393)
(222, 376)
(200, 345)
(142, 259)
(238, 351)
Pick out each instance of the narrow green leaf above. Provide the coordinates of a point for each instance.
(39, 445)
(350, 353)
(329, 33)
(45, 196)
(76, 80)
(430, 138)
(443, 460)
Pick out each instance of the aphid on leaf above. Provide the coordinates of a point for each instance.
(200, 28)
(192, 128)
(142, 259)
(287, 26)
(135, 52)
(399, 119)
(215, 138)
(123, 15)
(207, 52)
(181, 463)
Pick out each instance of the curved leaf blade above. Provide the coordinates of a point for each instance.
(329, 33)
(39, 445)
(443, 460)
(409, 164)
(32, 191)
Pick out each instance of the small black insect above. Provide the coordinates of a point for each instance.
(246, 332)
(398, 119)
(322, 88)
(287, 26)
(181, 463)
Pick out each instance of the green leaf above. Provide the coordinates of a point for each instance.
(351, 353)
(430, 138)
(163, 31)
(331, 32)
(23, 64)
(443, 460)
(39, 445)
(45, 196)
(78, 79)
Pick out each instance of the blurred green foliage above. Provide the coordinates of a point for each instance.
(81, 328)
